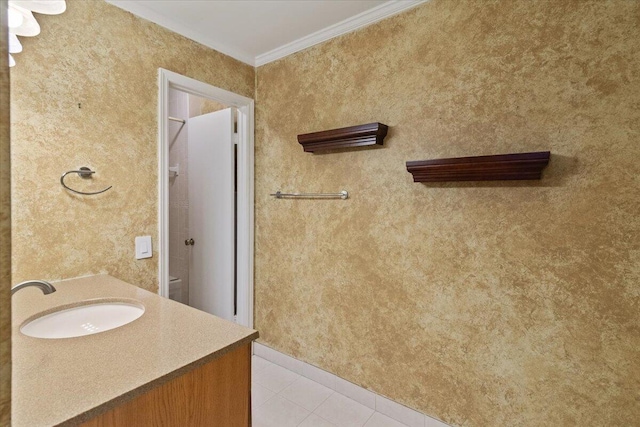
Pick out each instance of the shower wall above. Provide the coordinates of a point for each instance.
(178, 190)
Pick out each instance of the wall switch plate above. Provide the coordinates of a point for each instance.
(143, 247)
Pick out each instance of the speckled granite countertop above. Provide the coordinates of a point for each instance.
(70, 380)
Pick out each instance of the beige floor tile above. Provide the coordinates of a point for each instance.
(306, 393)
(379, 420)
(259, 395)
(275, 378)
(314, 420)
(279, 412)
(344, 412)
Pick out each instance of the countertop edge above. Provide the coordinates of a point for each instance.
(130, 395)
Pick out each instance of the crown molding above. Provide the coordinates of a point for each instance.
(363, 19)
(378, 13)
(138, 9)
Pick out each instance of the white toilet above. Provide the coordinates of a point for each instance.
(175, 290)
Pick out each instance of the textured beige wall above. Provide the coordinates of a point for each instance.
(483, 304)
(199, 106)
(107, 60)
(5, 228)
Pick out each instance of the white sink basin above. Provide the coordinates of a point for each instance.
(91, 318)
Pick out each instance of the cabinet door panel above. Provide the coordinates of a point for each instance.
(216, 394)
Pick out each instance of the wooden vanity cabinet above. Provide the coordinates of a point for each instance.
(216, 394)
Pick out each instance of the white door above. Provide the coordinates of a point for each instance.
(211, 213)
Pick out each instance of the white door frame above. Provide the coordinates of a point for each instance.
(245, 168)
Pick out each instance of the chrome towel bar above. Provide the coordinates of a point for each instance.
(183, 121)
(341, 195)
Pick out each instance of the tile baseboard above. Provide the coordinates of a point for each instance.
(384, 405)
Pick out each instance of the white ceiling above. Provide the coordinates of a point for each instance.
(261, 31)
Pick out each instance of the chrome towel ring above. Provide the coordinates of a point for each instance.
(85, 173)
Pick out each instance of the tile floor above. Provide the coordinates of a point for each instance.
(282, 398)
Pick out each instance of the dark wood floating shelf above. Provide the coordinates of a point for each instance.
(481, 168)
(353, 136)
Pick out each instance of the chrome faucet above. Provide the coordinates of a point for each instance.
(45, 287)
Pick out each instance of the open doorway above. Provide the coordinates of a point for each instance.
(206, 197)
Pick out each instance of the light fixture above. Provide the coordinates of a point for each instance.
(46, 7)
(15, 18)
(28, 26)
(22, 22)
(14, 44)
